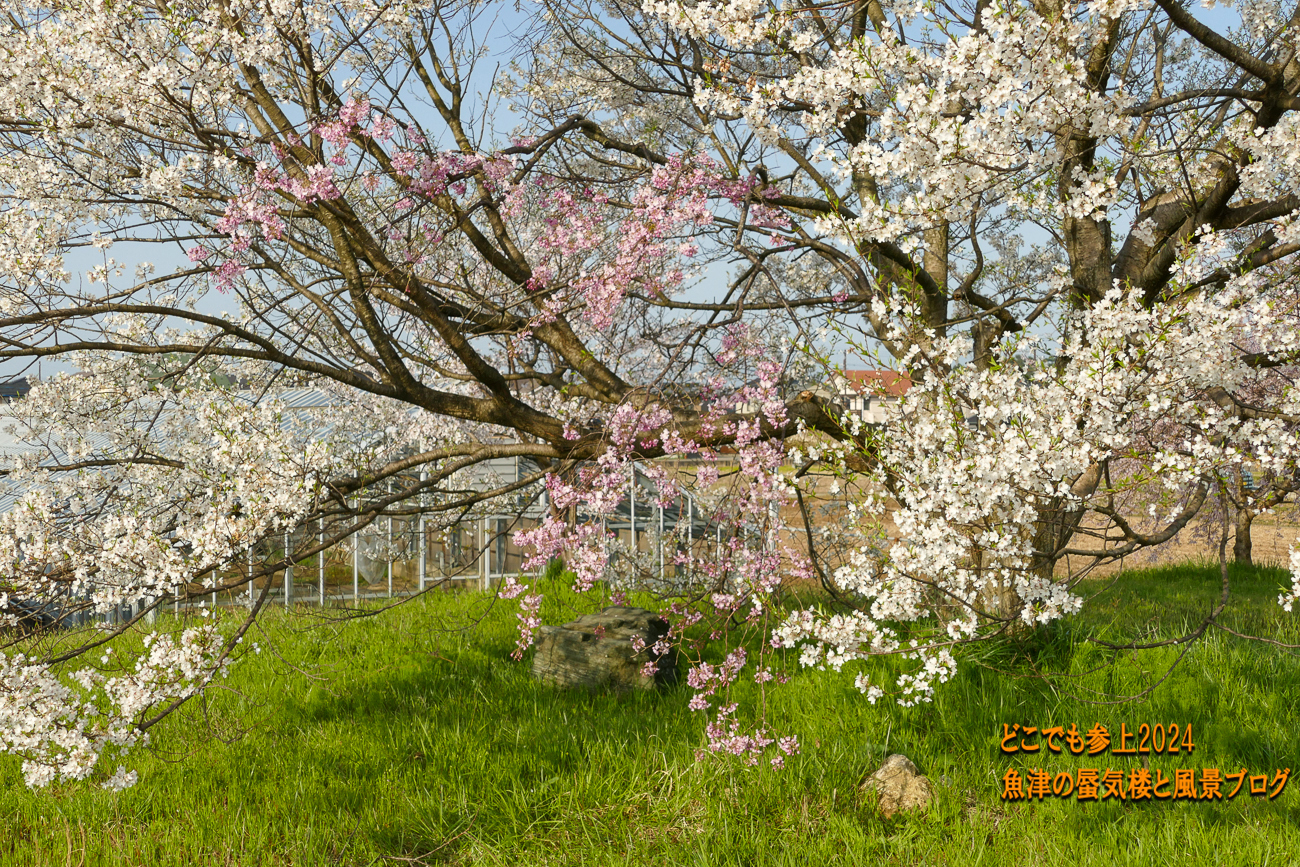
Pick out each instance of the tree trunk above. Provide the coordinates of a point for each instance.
(1241, 544)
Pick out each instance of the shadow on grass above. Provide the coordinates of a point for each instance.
(497, 751)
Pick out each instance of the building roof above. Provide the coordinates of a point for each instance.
(15, 388)
(880, 382)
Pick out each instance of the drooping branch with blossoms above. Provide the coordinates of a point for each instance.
(458, 304)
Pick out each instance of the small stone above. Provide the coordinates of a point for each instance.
(900, 786)
(596, 651)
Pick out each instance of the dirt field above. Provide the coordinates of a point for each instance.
(1272, 536)
(1271, 539)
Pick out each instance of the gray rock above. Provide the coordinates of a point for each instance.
(595, 651)
(900, 786)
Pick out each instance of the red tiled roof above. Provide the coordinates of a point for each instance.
(882, 382)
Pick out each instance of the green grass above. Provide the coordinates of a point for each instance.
(400, 740)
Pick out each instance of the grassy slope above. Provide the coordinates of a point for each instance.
(412, 743)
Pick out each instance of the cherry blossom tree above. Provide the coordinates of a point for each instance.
(326, 175)
(1071, 225)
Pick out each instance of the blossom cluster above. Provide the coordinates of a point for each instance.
(64, 726)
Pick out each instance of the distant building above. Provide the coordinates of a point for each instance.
(14, 389)
(868, 394)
